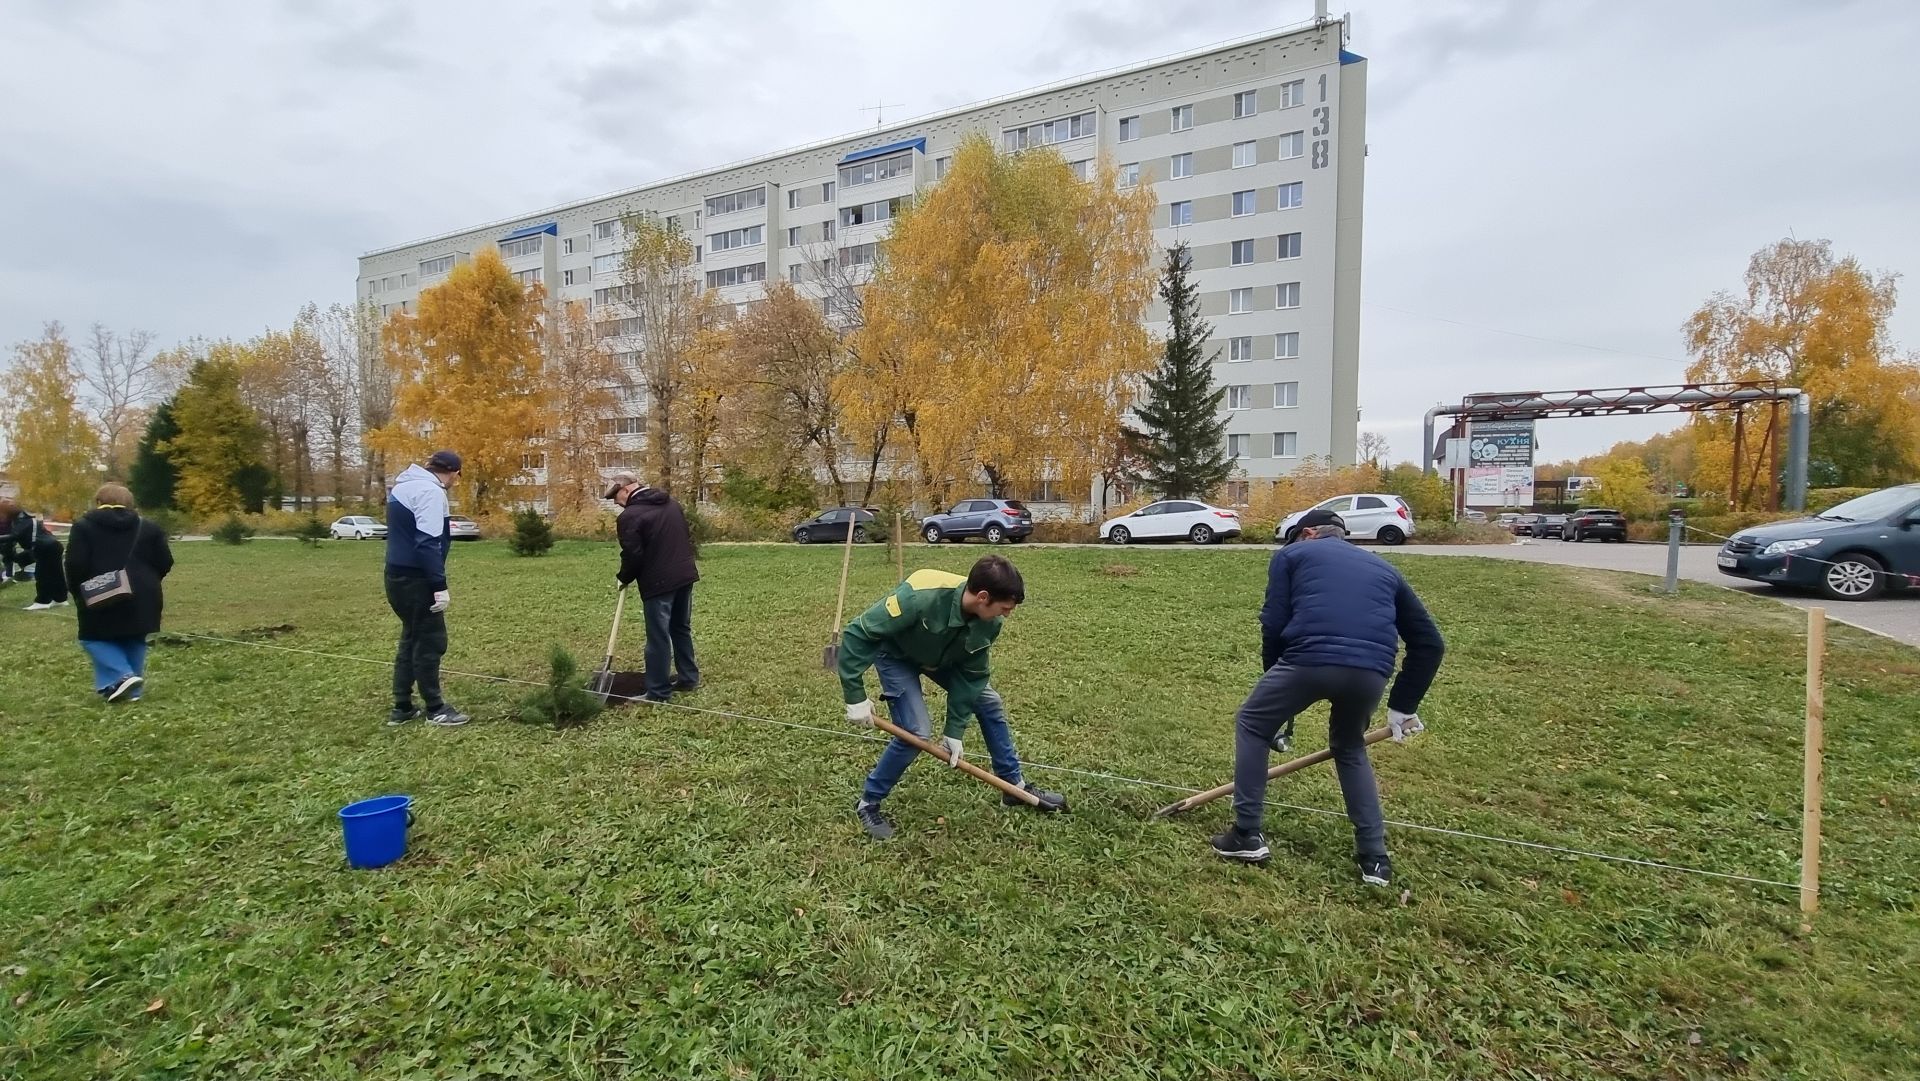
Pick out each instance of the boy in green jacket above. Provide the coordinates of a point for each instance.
(939, 625)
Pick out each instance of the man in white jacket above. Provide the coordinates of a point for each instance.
(418, 540)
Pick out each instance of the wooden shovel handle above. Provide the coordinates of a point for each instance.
(966, 767)
(1199, 799)
(619, 606)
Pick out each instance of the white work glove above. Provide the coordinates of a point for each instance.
(618, 585)
(1401, 725)
(956, 754)
(441, 599)
(861, 712)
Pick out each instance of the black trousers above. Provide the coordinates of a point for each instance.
(49, 577)
(1282, 693)
(423, 641)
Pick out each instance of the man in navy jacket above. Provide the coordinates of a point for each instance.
(418, 539)
(1331, 626)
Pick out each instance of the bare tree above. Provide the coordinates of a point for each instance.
(118, 373)
(661, 307)
(336, 387)
(581, 378)
(376, 383)
(841, 287)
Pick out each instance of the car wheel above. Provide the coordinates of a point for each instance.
(801, 536)
(1200, 534)
(1119, 535)
(1854, 576)
(1392, 535)
(931, 534)
(1574, 537)
(859, 534)
(995, 534)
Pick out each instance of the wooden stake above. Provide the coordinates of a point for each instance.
(899, 545)
(830, 656)
(1815, 748)
(1199, 799)
(965, 767)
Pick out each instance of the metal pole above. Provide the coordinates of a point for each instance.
(1797, 424)
(1676, 529)
(1426, 448)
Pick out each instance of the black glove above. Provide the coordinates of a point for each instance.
(1269, 650)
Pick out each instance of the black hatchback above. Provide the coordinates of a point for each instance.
(1854, 552)
(831, 525)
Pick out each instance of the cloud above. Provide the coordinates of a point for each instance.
(372, 45)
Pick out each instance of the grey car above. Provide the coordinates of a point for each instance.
(996, 520)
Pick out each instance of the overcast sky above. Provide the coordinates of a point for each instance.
(1551, 187)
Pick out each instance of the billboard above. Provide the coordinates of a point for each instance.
(1500, 473)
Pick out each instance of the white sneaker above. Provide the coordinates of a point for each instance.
(37, 606)
(122, 688)
(60, 604)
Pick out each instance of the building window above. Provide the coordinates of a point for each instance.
(568, 245)
(1291, 195)
(606, 230)
(1287, 295)
(1239, 397)
(1246, 103)
(1048, 132)
(1293, 93)
(793, 236)
(1180, 213)
(1182, 117)
(612, 294)
(940, 167)
(826, 191)
(1286, 395)
(1236, 493)
(1239, 301)
(737, 275)
(1129, 128)
(1289, 245)
(868, 213)
(567, 277)
(607, 264)
(793, 273)
(737, 238)
(858, 254)
(1286, 346)
(1130, 174)
(1286, 444)
(1293, 145)
(630, 359)
(1240, 348)
(1242, 203)
(1242, 253)
(529, 245)
(826, 229)
(872, 172)
(1245, 154)
(527, 277)
(793, 198)
(733, 202)
(623, 426)
(617, 328)
(433, 268)
(1236, 446)
(406, 279)
(1079, 168)
(1182, 166)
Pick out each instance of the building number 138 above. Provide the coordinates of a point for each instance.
(1322, 126)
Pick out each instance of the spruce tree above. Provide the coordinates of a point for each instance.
(1185, 445)
(153, 475)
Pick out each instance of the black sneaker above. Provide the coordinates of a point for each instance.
(1375, 870)
(126, 686)
(1236, 845)
(877, 825)
(656, 699)
(401, 715)
(447, 717)
(1049, 801)
(682, 686)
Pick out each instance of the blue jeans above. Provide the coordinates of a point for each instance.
(114, 659)
(670, 641)
(900, 689)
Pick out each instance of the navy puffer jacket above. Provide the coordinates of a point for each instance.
(1331, 603)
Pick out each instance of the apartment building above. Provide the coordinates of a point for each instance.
(1255, 150)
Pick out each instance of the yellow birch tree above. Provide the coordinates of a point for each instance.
(581, 376)
(55, 450)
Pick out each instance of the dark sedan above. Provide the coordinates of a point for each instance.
(1854, 552)
(831, 525)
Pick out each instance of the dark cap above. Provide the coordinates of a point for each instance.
(617, 482)
(445, 461)
(1314, 519)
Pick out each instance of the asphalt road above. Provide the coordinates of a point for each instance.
(1896, 616)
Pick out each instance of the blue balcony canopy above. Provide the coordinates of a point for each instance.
(532, 230)
(882, 151)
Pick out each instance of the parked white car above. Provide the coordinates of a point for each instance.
(461, 527)
(358, 527)
(1374, 516)
(1173, 519)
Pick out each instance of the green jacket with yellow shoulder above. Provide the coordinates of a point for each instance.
(922, 623)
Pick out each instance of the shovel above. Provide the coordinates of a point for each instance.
(602, 685)
(830, 656)
(1202, 798)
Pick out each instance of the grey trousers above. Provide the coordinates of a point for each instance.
(1279, 696)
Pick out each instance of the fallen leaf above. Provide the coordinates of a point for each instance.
(21, 970)
(1531, 883)
(1406, 898)
(385, 941)
(800, 912)
(156, 1005)
(1693, 1039)
(1570, 897)
(22, 1000)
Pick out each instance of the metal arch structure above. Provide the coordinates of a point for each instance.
(1633, 401)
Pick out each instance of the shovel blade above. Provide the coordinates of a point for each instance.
(830, 657)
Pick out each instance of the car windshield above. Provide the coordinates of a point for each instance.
(1873, 505)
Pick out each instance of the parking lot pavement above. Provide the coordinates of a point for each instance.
(1895, 616)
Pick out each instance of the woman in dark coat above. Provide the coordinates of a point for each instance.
(108, 538)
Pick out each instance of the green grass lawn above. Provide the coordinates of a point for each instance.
(676, 894)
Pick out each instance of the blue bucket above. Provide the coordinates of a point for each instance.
(376, 830)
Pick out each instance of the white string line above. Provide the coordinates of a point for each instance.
(1142, 782)
(1904, 579)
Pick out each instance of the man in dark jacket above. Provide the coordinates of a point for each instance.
(418, 540)
(1330, 629)
(656, 556)
(25, 540)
